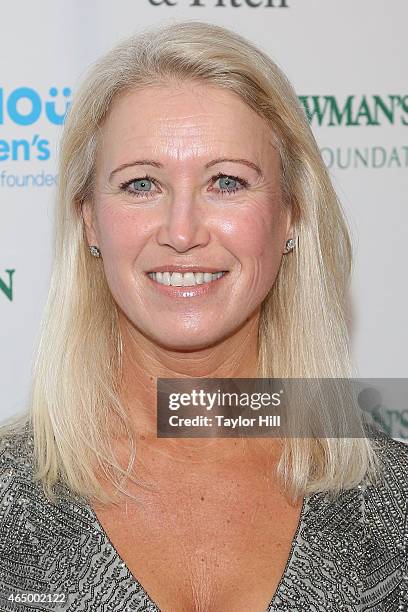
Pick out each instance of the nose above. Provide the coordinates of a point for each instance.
(183, 225)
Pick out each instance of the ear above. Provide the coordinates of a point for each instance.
(88, 215)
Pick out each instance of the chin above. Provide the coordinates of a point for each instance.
(184, 334)
(185, 341)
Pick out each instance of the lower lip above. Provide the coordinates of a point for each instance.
(187, 292)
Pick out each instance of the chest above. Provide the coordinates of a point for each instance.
(200, 552)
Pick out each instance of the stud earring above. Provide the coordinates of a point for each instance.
(95, 251)
(290, 245)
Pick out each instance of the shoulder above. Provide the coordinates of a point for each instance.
(385, 545)
(380, 505)
(33, 530)
(392, 452)
(359, 537)
(23, 500)
(386, 502)
(16, 454)
(54, 547)
(20, 492)
(18, 478)
(392, 488)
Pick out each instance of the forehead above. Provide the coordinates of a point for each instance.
(182, 121)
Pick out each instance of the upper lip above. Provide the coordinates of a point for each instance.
(183, 269)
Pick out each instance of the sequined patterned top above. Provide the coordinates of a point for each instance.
(348, 553)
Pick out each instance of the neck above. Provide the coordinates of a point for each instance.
(144, 361)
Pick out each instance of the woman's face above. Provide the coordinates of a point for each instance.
(187, 184)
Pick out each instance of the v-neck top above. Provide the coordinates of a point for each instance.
(349, 552)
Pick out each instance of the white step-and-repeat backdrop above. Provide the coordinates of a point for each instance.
(348, 62)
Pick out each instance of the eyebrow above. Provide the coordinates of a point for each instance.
(150, 162)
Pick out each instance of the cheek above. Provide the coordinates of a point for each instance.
(255, 238)
(122, 238)
(121, 235)
(257, 234)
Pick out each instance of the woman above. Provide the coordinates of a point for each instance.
(197, 235)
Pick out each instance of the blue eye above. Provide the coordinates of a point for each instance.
(228, 182)
(139, 188)
(142, 187)
(142, 184)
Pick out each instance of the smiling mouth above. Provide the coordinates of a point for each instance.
(186, 279)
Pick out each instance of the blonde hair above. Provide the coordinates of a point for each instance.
(303, 326)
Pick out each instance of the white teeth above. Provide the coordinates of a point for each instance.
(176, 279)
(189, 279)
